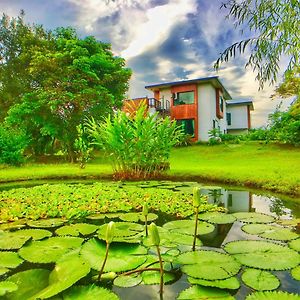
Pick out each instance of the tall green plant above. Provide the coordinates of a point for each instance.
(139, 146)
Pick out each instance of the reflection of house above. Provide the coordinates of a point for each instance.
(199, 105)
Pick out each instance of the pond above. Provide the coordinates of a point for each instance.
(265, 226)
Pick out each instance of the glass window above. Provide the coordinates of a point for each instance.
(228, 117)
(185, 98)
(221, 102)
(188, 126)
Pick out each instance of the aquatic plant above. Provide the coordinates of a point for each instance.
(145, 214)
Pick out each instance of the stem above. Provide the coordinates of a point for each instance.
(104, 262)
(196, 227)
(161, 272)
(146, 226)
(140, 270)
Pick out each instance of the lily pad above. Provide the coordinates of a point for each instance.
(121, 257)
(3, 271)
(263, 255)
(128, 281)
(296, 273)
(253, 217)
(49, 250)
(260, 280)
(122, 229)
(137, 217)
(11, 241)
(76, 229)
(217, 217)
(208, 265)
(272, 295)
(197, 292)
(46, 223)
(270, 232)
(35, 234)
(90, 292)
(295, 245)
(291, 222)
(29, 283)
(230, 283)
(13, 225)
(103, 216)
(153, 277)
(188, 227)
(7, 287)
(67, 271)
(10, 259)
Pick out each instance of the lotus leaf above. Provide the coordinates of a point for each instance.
(291, 222)
(10, 259)
(3, 271)
(196, 292)
(188, 227)
(76, 229)
(263, 255)
(260, 280)
(7, 287)
(253, 217)
(296, 273)
(270, 232)
(128, 281)
(35, 234)
(13, 225)
(295, 245)
(230, 283)
(121, 257)
(122, 229)
(217, 217)
(208, 265)
(49, 250)
(153, 277)
(11, 241)
(45, 223)
(272, 295)
(29, 283)
(136, 217)
(90, 292)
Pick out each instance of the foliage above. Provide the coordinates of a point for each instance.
(253, 217)
(295, 245)
(274, 295)
(214, 136)
(10, 259)
(217, 217)
(7, 287)
(139, 146)
(230, 283)
(275, 25)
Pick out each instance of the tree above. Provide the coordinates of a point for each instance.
(275, 24)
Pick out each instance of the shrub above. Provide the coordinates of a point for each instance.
(214, 137)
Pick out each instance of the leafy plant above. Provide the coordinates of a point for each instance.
(274, 295)
(214, 136)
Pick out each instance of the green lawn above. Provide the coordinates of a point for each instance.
(272, 167)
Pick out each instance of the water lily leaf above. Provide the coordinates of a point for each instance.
(253, 217)
(35, 234)
(90, 292)
(153, 277)
(76, 229)
(128, 281)
(295, 245)
(121, 257)
(291, 222)
(137, 217)
(208, 265)
(230, 283)
(29, 283)
(49, 250)
(103, 216)
(7, 287)
(217, 217)
(296, 273)
(13, 225)
(3, 271)
(11, 241)
(272, 295)
(122, 229)
(67, 271)
(45, 223)
(10, 259)
(188, 227)
(197, 292)
(270, 232)
(260, 280)
(263, 255)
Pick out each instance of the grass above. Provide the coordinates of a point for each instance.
(270, 167)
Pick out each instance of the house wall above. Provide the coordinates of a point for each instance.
(165, 95)
(239, 117)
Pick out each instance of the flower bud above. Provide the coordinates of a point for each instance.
(154, 234)
(145, 209)
(110, 231)
(196, 197)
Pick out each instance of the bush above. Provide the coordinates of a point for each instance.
(12, 145)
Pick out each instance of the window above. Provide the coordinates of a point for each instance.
(221, 102)
(229, 199)
(228, 117)
(184, 98)
(188, 126)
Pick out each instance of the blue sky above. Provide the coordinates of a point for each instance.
(161, 40)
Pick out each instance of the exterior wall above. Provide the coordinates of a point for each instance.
(239, 117)
(165, 95)
(237, 131)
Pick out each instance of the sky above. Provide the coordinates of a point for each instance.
(161, 40)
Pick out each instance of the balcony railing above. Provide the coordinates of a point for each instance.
(159, 105)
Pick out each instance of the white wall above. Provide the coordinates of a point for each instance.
(166, 95)
(239, 116)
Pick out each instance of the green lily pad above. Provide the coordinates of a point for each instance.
(11, 241)
(260, 280)
(7, 287)
(122, 229)
(208, 265)
(153, 277)
(49, 250)
(137, 217)
(253, 217)
(3, 271)
(121, 257)
(272, 295)
(76, 229)
(230, 283)
(188, 227)
(46, 223)
(295, 245)
(90, 292)
(103, 216)
(197, 292)
(263, 255)
(217, 217)
(296, 273)
(291, 222)
(10, 259)
(13, 225)
(67, 271)
(128, 281)
(35, 234)
(29, 283)
(270, 232)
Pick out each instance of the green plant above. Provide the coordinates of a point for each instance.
(196, 203)
(145, 214)
(214, 136)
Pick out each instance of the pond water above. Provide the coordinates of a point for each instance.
(234, 200)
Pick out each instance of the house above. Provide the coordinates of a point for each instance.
(199, 105)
